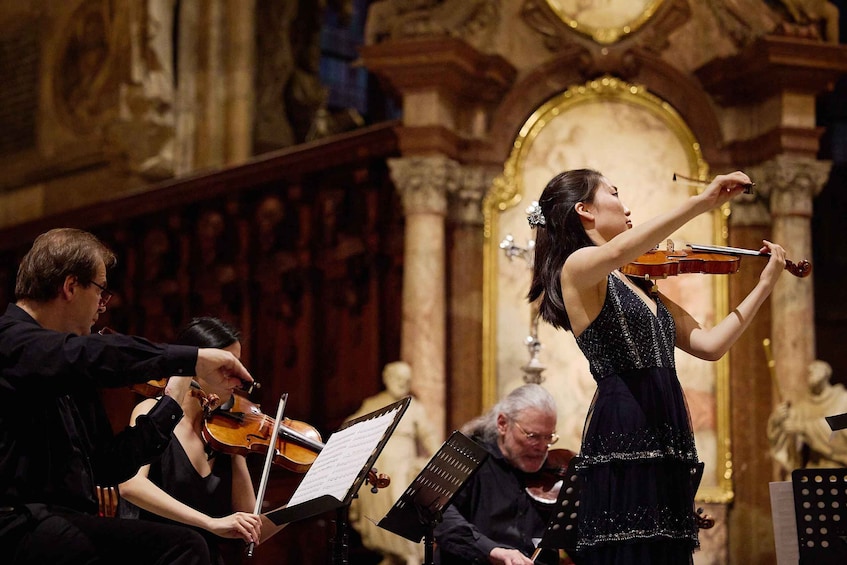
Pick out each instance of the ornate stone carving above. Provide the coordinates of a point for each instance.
(810, 19)
(743, 20)
(472, 20)
(84, 75)
(790, 183)
(466, 196)
(145, 127)
(424, 182)
(275, 63)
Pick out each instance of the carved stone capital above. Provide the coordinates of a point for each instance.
(424, 182)
(749, 211)
(466, 199)
(791, 183)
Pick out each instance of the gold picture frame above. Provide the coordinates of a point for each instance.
(620, 129)
(605, 21)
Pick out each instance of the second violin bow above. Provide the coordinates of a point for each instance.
(260, 495)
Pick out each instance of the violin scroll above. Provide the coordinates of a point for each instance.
(377, 480)
(799, 269)
(703, 521)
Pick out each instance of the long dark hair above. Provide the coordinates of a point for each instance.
(561, 235)
(207, 331)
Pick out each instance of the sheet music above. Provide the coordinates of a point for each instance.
(342, 459)
(784, 523)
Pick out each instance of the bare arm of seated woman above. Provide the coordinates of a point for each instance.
(142, 492)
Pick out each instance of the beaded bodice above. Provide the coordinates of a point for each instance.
(627, 335)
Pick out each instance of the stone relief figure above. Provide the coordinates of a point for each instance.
(291, 98)
(813, 19)
(395, 19)
(84, 74)
(743, 20)
(411, 445)
(799, 435)
(115, 76)
(146, 124)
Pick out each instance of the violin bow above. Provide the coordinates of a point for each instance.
(263, 484)
(800, 269)
(748, 187)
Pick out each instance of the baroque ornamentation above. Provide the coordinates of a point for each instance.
(467, 195)
(424, 182)
(472, 20)
(790, 183)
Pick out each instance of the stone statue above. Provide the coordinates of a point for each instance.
(411, 445)
(799, 435)
(815, 17)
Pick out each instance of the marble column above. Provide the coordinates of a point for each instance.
(751, 390)
(465, 243)
(791, 183)
(423, 184)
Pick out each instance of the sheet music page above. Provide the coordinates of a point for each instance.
(784, 523)
(341, 460)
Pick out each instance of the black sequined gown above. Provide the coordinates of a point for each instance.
(639, 458)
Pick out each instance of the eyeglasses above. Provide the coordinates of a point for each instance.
(549, 439)
(105, 293)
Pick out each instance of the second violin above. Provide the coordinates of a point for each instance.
(240, 427)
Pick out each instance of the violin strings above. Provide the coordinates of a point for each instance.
(265, 419)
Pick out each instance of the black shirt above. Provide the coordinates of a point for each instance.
(56, 442)
(493, 509)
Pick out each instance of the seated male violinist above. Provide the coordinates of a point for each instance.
(56, 442)
(494, 518)
(191, 485)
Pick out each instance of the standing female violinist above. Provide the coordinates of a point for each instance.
(639, 457)
(212, 494)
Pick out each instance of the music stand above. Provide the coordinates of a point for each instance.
(561, 532)
(820, 499)
(419, 509)
(340, 469)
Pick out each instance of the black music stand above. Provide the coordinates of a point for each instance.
(419, 509)
(561, 532)
(340, 469)
(820, 506)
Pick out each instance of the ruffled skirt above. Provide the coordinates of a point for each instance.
(639, 473)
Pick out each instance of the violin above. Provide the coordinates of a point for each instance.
(705, 259)
(156, 387)
(543, 486)
(239, 427)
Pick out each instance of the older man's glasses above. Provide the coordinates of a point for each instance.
(534, 437)
(105, 293)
